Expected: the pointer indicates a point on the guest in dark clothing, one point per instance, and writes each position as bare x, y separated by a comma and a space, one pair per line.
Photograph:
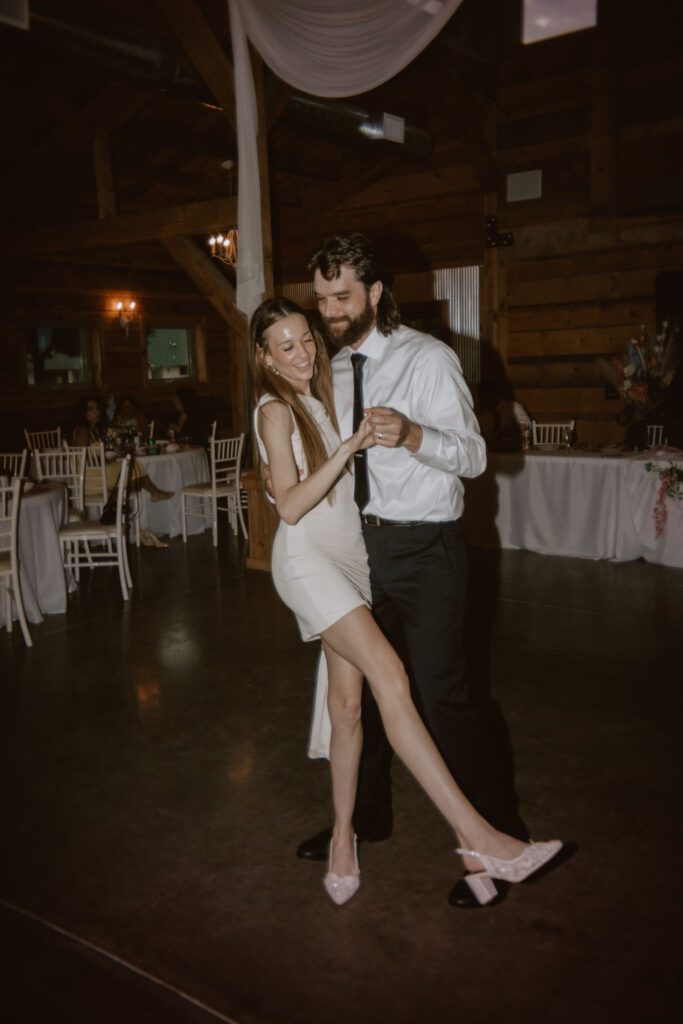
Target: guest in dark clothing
189, 419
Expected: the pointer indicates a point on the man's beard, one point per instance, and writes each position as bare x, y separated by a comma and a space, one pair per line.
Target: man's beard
354, 330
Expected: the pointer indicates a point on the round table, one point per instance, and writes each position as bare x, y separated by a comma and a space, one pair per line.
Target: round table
172, 472
43, 580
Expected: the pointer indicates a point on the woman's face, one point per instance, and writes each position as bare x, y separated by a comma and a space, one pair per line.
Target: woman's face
289, 350
93, 413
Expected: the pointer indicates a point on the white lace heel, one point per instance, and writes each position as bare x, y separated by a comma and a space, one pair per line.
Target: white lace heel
530, 860
482, 886
341, 888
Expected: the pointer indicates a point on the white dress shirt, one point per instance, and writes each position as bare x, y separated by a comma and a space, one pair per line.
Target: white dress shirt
421, 378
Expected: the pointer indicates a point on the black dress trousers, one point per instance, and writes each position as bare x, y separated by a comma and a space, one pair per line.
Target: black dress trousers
418, 576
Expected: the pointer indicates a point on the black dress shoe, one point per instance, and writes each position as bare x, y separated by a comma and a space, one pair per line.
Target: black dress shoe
462, 897
317, 847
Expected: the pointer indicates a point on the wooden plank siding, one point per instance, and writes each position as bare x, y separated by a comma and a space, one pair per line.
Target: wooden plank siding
580, 280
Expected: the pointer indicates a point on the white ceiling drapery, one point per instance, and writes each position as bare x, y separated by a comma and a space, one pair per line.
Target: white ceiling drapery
323, 47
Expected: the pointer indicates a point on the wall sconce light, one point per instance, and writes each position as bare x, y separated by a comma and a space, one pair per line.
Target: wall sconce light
127, 314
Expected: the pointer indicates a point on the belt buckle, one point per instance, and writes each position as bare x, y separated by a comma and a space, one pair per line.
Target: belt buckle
372, 520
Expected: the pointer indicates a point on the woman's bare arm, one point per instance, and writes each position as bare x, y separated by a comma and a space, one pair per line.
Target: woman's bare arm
294, 497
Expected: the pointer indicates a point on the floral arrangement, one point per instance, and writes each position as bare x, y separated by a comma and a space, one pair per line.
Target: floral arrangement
643, 372
670, 486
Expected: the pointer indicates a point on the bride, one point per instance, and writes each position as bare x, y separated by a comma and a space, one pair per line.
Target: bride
320, 570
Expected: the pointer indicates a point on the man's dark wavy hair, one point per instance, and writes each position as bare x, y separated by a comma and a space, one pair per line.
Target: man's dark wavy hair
355, 250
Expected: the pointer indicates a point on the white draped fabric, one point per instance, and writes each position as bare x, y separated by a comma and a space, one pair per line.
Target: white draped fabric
323, 47
577, 505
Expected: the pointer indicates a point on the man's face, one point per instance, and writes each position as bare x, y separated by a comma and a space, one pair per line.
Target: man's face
348, 309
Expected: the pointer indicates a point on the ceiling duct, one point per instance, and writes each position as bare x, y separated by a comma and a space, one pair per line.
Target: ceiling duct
356, 123
167, 68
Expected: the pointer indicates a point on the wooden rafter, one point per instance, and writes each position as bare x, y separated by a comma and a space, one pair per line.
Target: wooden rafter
208, 278
190, 218
198, 40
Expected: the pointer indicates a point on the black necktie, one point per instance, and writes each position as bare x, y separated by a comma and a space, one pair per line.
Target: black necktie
361, 489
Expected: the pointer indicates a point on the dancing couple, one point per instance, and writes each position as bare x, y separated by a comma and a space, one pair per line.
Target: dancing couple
340, 499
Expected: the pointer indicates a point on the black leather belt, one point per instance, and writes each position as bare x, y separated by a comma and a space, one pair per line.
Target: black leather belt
376, 521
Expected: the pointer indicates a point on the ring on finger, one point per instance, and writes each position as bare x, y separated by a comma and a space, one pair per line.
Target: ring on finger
380, 434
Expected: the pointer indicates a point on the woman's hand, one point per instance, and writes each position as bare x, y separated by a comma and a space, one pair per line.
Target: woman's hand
363, 437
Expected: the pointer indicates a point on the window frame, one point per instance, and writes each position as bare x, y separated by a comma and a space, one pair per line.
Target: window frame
195, 326
92, 354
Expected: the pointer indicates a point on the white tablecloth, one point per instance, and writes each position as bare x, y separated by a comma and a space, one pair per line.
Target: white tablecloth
584, 505
43, 581
172, 473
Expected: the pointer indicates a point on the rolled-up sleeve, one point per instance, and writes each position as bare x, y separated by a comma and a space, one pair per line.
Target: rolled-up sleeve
451, 440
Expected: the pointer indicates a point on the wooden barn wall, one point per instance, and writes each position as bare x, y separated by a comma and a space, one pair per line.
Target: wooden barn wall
579, 279
419, 217
51, 292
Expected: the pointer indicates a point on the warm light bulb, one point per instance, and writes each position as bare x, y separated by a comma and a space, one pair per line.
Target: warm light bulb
219, 238
131, 305
212, 240
119, 305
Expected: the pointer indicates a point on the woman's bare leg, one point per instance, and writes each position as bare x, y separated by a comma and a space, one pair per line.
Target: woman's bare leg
343, 702
357, 639
155, 493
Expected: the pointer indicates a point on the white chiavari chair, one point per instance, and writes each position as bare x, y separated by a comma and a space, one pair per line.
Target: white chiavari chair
92, 544
68, 467
655, 434
10, 501
551, 433
43, 439
13, 463
226, 457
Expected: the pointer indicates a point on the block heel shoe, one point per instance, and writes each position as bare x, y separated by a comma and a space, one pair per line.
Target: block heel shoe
535, 856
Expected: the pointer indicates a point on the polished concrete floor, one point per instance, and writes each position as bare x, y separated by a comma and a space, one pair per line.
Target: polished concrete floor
155, 787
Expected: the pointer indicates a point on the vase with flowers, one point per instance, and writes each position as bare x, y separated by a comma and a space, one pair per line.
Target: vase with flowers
641, 374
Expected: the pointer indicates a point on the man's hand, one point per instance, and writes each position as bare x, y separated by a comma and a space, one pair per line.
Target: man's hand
392, 429
265, 476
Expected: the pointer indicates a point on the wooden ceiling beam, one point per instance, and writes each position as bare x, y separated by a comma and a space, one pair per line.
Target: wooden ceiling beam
188, 219
201, 269
103, 115
198, 40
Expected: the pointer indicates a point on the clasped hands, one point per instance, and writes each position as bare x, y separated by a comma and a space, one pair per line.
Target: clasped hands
388, 428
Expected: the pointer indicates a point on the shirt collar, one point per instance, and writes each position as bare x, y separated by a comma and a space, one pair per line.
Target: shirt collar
373, 347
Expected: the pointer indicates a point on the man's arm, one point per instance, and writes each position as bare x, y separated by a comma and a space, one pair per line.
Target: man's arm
444, 433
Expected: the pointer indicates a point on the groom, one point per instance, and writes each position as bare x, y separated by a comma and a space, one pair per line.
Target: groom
410, 494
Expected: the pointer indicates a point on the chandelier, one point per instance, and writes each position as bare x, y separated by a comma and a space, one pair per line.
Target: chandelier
223, 246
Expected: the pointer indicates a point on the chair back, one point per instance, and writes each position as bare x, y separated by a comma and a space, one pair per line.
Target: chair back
212, 435
226, 456
95, 488
150, 431
121, 496
43, 439
13, 464
10, 499
655, 433
551, 433
69, 468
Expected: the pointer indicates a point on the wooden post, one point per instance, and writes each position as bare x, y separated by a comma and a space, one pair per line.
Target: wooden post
104, 177
264, 175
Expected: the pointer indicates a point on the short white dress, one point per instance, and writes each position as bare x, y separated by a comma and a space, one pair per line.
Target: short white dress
320, 565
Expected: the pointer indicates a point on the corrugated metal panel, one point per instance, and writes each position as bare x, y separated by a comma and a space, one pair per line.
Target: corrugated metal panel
300, 292
458, 286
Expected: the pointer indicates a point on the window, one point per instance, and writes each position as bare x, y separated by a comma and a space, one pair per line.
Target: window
57, 356
169, 353
546, 18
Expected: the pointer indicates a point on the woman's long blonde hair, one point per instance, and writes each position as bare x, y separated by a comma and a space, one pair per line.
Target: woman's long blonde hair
266, 381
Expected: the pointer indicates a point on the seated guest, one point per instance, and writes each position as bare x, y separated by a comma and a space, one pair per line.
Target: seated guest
129, 416
89, 427
189, 420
